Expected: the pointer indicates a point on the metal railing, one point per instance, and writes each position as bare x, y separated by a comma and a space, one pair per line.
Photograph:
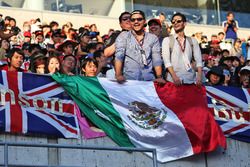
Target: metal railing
7, 144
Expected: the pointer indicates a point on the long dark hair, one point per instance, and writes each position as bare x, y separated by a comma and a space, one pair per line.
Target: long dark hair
48, 60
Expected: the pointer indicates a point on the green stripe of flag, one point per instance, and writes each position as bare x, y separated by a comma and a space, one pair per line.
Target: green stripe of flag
94, 101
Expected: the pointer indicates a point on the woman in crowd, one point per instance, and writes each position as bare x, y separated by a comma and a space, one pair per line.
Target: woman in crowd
236, 49
38, 62
53, 65
244, 77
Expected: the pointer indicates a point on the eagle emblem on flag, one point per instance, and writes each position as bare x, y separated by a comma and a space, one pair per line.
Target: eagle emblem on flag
146, 116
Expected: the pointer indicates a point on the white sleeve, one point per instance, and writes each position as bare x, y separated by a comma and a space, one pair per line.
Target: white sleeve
166, 52
197, 53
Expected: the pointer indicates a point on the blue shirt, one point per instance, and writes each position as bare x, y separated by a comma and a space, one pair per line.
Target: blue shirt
138, 60
230, 33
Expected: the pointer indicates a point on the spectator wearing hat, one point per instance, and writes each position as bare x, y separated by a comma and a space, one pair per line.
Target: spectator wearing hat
68, 65
15, 58
244, 77
46, 29
215, 76
125, 24
83, 39
247, 62
25, 49
228, 61
37, 63
154, 26
27, 37
39, 38
138, 53
56, 39
67, 47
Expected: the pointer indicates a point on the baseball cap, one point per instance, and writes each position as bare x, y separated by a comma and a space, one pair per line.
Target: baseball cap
27, 34
157, 21
138, 12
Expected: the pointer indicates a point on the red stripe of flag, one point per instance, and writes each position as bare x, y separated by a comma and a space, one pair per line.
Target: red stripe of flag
44, 90
186, 101
221, 99
235, 128
63, 125
16, 118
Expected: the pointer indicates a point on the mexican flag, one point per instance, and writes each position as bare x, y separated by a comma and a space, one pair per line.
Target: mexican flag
173, 120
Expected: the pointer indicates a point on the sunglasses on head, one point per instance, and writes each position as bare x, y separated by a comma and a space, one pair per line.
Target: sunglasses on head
176, 21
138, 19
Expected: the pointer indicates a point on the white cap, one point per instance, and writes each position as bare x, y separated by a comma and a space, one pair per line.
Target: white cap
245, 68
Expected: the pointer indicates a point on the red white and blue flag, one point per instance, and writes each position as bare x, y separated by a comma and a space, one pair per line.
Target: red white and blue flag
35, 104
231, 109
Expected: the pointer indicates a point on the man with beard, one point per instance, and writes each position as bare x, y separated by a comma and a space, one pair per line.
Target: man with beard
177, 58
137, 54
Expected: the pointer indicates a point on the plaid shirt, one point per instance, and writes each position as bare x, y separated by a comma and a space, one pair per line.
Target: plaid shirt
138, 60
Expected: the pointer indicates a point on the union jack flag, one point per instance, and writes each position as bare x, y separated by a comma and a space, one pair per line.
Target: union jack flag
33, 103
231, 109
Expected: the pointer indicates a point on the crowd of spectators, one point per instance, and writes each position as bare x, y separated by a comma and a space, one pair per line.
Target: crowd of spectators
134, 52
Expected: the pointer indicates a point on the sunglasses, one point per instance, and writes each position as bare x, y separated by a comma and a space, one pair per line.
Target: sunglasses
138, 19
176, 21
125, 18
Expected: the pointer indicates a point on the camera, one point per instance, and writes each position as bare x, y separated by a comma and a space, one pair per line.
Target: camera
93, 34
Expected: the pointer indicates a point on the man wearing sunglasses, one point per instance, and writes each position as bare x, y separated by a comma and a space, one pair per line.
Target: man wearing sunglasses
178, 51
138, 53
124, 21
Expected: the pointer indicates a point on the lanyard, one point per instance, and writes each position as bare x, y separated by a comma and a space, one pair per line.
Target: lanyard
182, 44
140, 42
143, 54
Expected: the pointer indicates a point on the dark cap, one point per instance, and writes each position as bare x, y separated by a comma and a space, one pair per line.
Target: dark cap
66, 43
217, 70
138, 12
157, 21
39, 32
56, 32
84, 32
25, 46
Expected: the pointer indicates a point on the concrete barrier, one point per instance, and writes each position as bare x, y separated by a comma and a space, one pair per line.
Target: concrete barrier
237, 154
